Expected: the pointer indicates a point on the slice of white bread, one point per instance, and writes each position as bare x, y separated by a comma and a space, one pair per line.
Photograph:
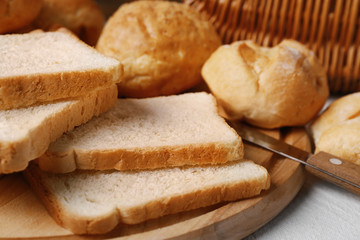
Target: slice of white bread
46, 66
25, 133
148, 133
95, 202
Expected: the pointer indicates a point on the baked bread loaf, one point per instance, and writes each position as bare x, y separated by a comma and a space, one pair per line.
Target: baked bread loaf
82, 17
42, 67
16, 14
337, 129
267, 87
26, 133
162, 45
148, 133
92, 202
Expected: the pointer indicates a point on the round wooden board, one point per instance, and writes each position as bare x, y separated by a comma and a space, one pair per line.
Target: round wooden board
23, 216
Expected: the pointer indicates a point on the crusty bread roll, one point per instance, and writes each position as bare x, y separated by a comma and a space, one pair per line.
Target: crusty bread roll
337, 129
82, 17
16, 14
267, 87
162, 45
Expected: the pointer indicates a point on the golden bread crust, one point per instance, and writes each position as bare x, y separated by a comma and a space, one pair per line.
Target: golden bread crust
267, 87
23, 91
144, 158
161, 44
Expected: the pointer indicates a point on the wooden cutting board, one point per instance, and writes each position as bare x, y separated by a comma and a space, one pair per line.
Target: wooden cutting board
23, 216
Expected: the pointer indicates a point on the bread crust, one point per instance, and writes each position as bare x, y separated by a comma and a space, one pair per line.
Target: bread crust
142, 158
15, 155
162, 45
34, 89
229, 191
16, 14
267, 87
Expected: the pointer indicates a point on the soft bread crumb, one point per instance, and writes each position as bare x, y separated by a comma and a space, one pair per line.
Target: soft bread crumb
49, 52
136, 123
15, 123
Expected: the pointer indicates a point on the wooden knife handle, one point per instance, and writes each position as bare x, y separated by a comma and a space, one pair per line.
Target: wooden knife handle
338, 167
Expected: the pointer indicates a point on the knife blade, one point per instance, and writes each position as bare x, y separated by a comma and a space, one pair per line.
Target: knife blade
324, 165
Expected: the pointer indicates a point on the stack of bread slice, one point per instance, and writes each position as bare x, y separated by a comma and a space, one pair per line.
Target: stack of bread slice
49, 83
133, 159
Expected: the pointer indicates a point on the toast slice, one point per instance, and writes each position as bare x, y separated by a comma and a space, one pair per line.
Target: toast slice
25, 133
148, 133
41, 67
94, 202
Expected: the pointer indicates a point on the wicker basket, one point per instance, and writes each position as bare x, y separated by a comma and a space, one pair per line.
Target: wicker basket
330, 28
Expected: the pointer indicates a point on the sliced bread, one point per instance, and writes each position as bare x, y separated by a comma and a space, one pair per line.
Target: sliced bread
95, 202
46, 66
148, 133
26, 133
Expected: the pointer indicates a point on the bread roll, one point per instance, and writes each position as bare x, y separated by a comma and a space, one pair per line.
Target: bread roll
267, 87
16, 14
82, 17
337, 129
162, 45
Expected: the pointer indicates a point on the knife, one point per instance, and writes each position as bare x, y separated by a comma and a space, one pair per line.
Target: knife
324, 165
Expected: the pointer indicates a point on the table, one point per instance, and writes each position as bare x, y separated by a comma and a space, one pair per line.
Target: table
319, 211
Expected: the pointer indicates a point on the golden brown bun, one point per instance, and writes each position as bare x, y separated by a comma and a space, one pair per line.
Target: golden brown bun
16, 14
267, 87
337, 129
82, 17
162, 45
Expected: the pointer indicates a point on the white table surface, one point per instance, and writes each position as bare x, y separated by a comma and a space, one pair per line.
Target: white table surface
320, 211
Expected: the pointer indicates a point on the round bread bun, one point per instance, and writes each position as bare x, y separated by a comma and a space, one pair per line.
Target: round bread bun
337, 129
16, 14
267, 87
82, 17
161, 44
